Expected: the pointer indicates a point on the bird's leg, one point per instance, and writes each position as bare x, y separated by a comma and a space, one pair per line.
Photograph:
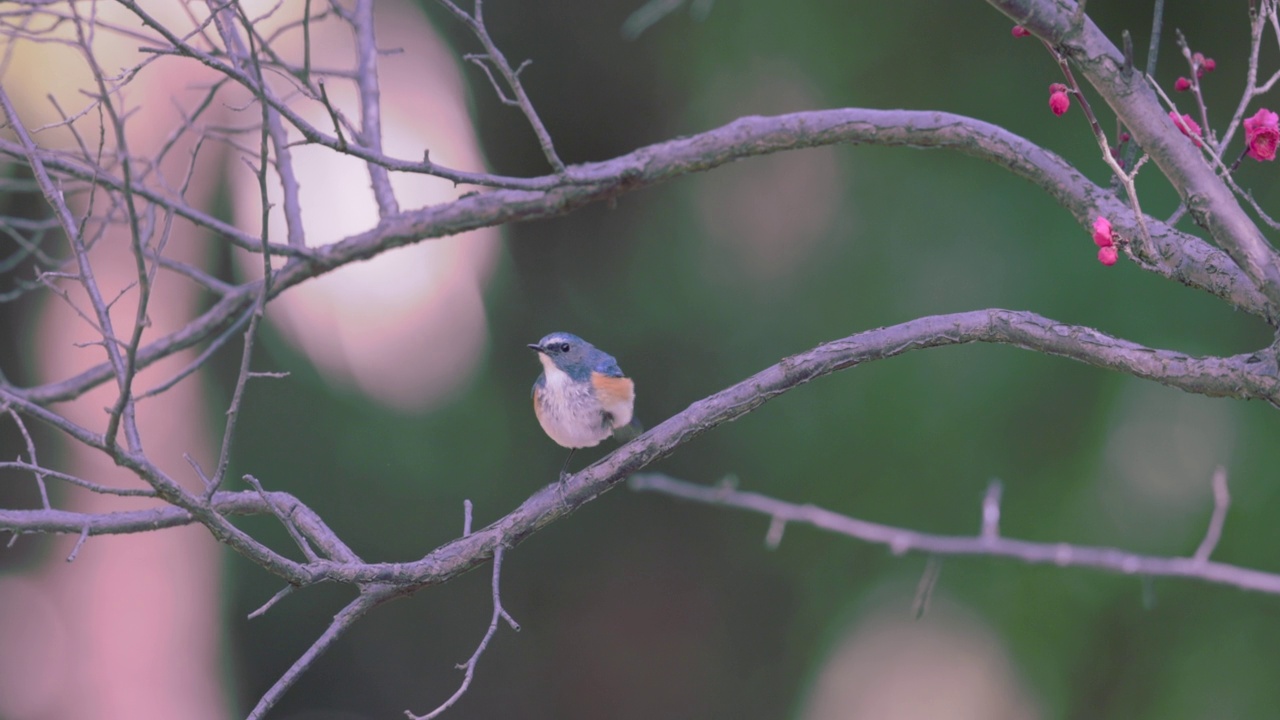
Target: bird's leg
565, 467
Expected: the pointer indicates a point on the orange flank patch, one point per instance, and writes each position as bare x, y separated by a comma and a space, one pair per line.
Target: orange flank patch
617, 395
613, 390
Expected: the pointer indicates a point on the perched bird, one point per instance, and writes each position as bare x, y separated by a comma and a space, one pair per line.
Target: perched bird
581, 397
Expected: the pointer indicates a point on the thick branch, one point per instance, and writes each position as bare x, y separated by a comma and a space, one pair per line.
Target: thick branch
1186, 258
1209, 199
1240, 376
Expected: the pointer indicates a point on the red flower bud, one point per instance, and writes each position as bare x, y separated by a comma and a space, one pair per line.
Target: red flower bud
1210, 65
1124, 137
1102, 236
1182, 84
1059, 102
1108, 255
1019, 31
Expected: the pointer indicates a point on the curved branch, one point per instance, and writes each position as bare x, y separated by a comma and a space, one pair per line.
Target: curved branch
1239, 376
1182, 257
1245, 376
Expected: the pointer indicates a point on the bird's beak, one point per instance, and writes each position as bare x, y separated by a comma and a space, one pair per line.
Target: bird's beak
536, 348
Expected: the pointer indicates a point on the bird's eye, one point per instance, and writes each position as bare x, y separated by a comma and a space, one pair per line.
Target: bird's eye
564, 347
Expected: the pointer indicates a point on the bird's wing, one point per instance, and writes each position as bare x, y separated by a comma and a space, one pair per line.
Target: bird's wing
605, 364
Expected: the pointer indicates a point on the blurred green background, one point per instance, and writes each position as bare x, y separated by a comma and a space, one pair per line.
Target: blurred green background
640, 606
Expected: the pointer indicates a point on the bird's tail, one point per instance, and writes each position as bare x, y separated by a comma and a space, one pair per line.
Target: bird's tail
628, 432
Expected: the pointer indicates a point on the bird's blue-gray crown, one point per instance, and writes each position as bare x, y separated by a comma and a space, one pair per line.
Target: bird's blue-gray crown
575, 356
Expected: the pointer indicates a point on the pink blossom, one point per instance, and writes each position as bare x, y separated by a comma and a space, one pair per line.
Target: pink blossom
1203, 64
1102, 232
1182, 84
1019, 31
1187, 126
1108, 255
1059, 101
1262, 135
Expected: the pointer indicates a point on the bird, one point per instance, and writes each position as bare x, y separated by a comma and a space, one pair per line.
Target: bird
581, 397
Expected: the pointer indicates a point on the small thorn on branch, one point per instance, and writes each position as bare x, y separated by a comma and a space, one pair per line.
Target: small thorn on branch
924, 590
333, 116
284, 592
1128, 54
991, 511
774, 537
84, 535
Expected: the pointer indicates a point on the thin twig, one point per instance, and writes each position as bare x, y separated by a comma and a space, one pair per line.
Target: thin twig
1126, 179
371, 105
280, 595
342, 622
773, 538
928, 583
1221, 502
75, 551
122, 411
494, 56
285, 519
991, 511
900, 541
38, 471
469, 667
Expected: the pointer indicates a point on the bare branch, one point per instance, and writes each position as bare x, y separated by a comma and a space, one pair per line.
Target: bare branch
928, 583
901, 541
371, 105
284, 592
991, 510
469, 667
494, 56
1210, 376
342, 622
1183, 257
123, 522
1221, 502
75, 551
285, 520
122, 412
34, 466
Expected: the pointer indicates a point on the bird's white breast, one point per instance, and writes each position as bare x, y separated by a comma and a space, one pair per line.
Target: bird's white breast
570, 414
